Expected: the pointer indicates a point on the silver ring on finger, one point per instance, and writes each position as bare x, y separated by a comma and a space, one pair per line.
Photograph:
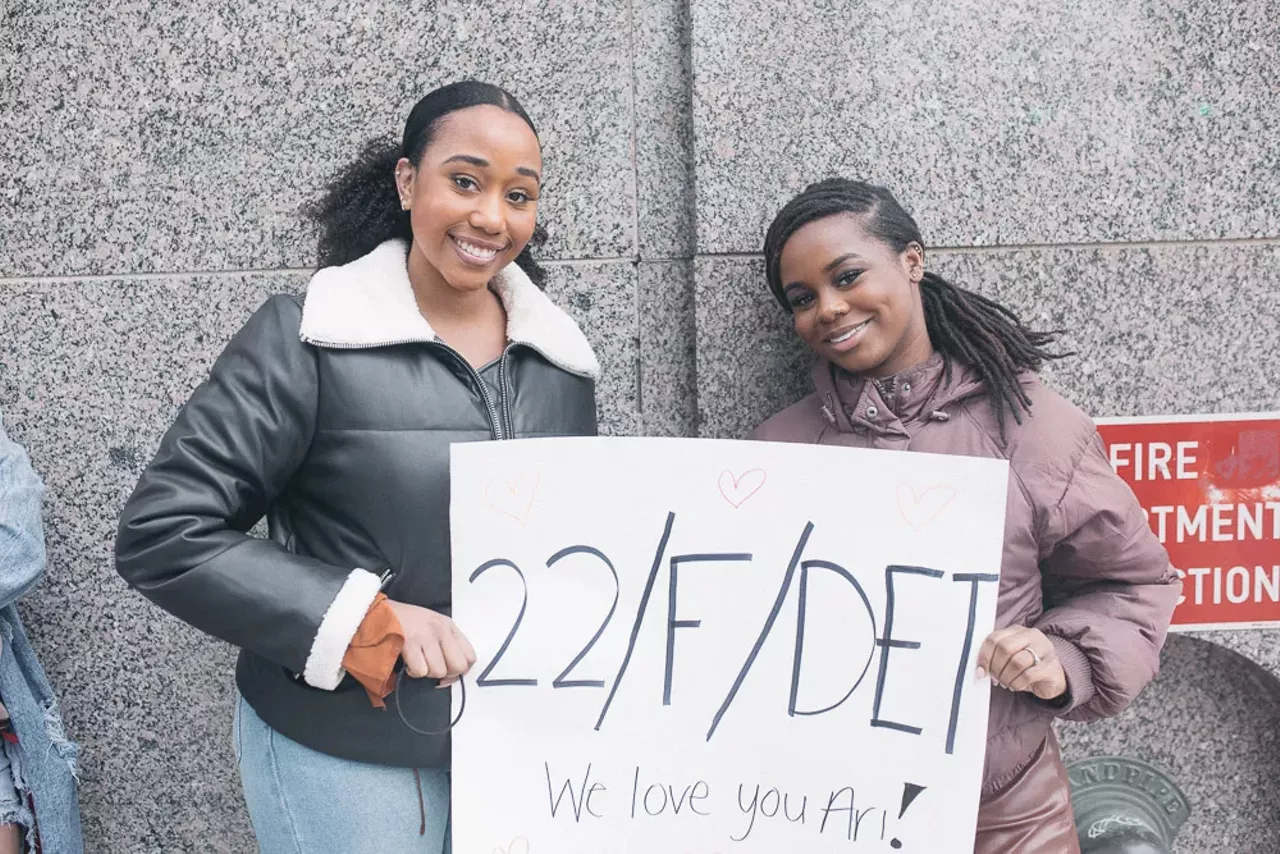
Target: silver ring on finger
1035, 656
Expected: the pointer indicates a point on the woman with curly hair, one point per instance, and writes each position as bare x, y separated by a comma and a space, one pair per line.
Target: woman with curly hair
332, 415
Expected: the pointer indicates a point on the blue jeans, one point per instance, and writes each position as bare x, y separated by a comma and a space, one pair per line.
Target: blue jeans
11, 809
302, 801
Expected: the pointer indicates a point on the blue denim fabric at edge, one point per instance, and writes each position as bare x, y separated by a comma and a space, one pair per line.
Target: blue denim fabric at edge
42, 762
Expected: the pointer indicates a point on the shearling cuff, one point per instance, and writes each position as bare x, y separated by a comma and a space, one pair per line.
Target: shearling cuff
341, 621
1075, 664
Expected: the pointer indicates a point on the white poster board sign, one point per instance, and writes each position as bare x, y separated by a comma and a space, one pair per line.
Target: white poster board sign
694, 646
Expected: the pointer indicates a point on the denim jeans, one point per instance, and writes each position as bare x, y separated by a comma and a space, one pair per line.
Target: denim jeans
302, 801
11, 810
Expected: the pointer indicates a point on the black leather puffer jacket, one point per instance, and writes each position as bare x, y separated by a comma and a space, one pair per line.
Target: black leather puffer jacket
333, 417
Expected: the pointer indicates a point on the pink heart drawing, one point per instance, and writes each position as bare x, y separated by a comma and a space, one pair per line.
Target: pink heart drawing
513, 496
519, 845
737, 489
919, 510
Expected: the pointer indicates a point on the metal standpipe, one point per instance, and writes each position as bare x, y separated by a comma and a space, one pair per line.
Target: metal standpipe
1125, 806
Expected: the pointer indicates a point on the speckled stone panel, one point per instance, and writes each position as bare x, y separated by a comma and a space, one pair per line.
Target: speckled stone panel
1174, 329
1211, 720
665, 194
601, 297
667, 352
91, 374
1177, 329
1259, 645
750, 363
185, 137
1001, 123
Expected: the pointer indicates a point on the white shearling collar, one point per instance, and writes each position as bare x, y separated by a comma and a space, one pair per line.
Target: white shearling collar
369, 303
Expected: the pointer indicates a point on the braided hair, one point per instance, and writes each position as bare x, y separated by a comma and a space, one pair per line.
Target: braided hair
360, 208
962, 325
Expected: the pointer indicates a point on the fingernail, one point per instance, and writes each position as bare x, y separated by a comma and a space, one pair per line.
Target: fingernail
982, 671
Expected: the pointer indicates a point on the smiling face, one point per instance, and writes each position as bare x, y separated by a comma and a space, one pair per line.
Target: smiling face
853, 299
473, 197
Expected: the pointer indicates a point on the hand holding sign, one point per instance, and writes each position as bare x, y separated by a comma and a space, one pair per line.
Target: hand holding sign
1023, 659
719, 659
433, 646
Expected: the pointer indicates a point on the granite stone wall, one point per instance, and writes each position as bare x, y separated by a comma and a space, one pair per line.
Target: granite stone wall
1111, 168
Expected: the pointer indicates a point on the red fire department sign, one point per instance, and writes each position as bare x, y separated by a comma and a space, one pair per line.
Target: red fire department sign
1211, 487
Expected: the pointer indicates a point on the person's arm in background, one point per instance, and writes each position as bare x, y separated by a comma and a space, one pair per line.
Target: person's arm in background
21, 565
1109, 589
21, 529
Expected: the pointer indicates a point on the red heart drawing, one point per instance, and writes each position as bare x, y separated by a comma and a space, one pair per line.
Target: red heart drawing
919, 510
737, 489
513, 496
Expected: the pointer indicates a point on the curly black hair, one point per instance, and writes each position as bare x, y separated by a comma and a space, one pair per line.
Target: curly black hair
360, 208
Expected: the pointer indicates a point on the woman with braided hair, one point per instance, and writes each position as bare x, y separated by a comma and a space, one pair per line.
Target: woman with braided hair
906, 360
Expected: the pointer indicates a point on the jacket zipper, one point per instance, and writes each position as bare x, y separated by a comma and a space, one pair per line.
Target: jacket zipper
332, 345
495, 420
385, 578
503, 392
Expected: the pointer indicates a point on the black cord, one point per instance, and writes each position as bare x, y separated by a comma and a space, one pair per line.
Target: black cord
462, 707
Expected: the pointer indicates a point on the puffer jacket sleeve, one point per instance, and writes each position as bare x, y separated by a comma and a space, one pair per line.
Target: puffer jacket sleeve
1109, 589
21, 528
232, 450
